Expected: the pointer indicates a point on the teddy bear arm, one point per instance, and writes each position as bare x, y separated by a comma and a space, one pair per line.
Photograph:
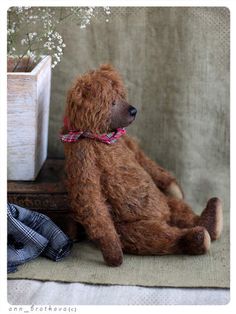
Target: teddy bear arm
163, 179
89, 209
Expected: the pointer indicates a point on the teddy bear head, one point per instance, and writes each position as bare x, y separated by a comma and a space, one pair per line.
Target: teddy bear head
97, 102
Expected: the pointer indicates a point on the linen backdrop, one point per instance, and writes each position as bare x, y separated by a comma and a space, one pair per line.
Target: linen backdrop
175, 64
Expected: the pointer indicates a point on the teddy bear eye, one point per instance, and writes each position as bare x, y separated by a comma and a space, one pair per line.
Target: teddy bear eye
113, 103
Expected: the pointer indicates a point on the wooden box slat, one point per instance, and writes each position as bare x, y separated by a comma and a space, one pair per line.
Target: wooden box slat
28, 98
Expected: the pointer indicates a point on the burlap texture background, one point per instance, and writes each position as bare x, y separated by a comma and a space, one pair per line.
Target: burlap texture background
175, 63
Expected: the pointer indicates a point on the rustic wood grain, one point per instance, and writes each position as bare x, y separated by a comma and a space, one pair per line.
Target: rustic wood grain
28, 96
49, 180
47, 195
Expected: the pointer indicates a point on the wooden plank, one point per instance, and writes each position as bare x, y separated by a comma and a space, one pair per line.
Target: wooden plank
40, 202
43, 96
50, 180
21, 131
44, 62
45, 188
47, 195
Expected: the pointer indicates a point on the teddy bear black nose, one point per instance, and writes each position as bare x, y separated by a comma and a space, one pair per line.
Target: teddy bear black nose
132, 111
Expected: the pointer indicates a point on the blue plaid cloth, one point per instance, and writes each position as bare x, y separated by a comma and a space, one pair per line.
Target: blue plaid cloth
31, 234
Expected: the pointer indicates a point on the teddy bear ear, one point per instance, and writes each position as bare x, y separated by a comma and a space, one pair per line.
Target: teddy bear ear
107, 68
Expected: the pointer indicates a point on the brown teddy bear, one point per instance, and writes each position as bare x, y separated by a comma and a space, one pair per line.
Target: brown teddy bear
126, 202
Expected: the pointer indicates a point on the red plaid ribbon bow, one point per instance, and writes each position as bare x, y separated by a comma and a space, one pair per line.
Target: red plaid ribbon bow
109, 138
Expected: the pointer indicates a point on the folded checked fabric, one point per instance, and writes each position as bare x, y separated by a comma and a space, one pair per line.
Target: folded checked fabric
31, 234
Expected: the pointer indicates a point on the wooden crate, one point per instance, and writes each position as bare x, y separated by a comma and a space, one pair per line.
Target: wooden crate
47, 194
28, 97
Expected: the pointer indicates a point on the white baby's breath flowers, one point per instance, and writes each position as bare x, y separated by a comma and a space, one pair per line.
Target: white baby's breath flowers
44, 37
23, 41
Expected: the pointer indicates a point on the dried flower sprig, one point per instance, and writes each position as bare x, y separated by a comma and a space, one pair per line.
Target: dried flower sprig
33, 31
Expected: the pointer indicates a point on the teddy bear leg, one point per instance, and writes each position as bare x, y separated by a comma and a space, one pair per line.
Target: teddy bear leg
212, 218
147, 237
181, 214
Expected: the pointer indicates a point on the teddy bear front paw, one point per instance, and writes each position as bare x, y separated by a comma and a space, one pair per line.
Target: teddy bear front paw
112, 253
173, 190
212, 218
196, 241
113, 258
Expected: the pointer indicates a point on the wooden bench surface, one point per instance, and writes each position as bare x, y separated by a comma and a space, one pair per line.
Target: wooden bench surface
47, 194
49, 180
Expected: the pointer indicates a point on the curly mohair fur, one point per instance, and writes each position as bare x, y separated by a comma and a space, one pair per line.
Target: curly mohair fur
126, 202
